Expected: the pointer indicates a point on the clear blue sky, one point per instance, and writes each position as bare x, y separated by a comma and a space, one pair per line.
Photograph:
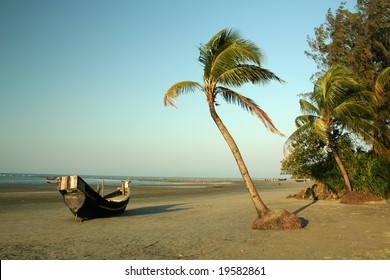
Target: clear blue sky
82, 85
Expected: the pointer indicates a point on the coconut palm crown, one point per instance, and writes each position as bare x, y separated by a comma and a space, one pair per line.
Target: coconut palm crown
228, 61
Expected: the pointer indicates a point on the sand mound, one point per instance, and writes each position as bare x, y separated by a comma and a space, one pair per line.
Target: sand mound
277, 219
359, 198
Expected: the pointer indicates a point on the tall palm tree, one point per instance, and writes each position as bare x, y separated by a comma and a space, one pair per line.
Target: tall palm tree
229, 60
337, 103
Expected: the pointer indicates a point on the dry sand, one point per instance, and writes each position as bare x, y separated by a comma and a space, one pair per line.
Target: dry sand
194, 223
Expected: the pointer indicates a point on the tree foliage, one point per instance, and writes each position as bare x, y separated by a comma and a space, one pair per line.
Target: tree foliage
338, 105
357, 40
310, 158
305, 156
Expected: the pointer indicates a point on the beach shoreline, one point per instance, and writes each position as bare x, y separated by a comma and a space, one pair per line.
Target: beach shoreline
165, 223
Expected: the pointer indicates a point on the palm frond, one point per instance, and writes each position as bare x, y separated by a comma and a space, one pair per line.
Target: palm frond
217, 44
308, 123
305, 119
349, 109
311, 122
308, 108
242, 74
382, 83
359, 95
178, 89
301, 129
334, 87
249, 105
321, 128
366, 130
239, 52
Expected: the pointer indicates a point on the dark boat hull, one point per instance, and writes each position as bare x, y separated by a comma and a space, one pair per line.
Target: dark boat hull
85, 203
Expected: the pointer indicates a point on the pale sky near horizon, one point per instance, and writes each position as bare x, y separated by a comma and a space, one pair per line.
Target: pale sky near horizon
82, 85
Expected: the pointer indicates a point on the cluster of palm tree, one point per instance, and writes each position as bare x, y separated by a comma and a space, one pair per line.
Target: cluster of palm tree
339, 103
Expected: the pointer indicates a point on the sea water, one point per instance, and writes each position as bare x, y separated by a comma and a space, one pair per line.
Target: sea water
93, 180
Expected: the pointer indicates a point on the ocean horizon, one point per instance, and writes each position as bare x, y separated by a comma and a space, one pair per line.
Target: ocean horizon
113, 180
109, 180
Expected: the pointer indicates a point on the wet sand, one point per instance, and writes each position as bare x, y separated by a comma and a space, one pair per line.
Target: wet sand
164, 223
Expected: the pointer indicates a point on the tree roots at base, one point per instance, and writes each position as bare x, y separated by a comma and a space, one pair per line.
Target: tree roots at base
277, 219
359, 198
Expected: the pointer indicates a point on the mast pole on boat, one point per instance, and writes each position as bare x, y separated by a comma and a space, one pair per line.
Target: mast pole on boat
102, 186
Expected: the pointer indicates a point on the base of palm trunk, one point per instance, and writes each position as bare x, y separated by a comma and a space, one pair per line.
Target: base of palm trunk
359, 198
277, 219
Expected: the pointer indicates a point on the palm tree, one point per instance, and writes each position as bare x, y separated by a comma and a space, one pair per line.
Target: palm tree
381, 104
337, 103
229, 60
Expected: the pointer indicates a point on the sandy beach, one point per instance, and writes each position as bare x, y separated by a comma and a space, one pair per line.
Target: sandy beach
164, 223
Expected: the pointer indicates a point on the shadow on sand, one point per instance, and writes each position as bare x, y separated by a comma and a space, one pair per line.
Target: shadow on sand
154, 210
303, 220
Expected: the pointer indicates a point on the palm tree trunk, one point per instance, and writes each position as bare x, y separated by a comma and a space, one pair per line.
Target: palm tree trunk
261, 208
348, 186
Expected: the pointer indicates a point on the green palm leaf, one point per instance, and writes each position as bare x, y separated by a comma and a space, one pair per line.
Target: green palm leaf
217, 44
249, 105
242, 74
303, 128
305, 119
310, 122
382, 83
322, 129
309, 108
349, 109
239, 52
178, 89
335, 87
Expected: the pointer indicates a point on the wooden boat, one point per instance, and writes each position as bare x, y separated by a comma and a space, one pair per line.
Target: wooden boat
52, 181
85, 203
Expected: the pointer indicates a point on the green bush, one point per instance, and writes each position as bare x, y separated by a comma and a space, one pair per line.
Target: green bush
368, 173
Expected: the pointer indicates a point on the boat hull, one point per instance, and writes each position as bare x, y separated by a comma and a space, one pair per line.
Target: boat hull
85, 203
